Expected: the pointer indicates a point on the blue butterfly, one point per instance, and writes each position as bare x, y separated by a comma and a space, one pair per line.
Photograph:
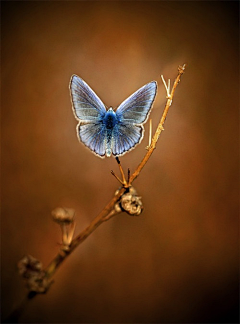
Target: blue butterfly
108, 132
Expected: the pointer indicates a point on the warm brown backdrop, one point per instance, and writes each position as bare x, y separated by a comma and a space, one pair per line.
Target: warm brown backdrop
178, 261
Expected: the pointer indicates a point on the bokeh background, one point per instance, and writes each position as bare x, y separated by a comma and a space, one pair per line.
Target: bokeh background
178, 261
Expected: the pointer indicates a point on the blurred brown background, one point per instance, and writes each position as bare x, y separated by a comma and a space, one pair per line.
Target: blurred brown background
178, 261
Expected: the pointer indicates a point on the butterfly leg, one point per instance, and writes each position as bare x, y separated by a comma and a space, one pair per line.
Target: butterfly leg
121, 170
124, 182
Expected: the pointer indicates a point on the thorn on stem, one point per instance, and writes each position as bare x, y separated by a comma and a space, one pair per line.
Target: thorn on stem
150, 133
167, 87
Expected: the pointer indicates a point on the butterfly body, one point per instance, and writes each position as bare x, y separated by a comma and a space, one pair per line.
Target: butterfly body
108, 132
109, 123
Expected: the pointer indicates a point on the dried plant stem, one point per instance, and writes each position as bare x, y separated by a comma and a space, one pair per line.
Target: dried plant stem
160, 128
109, 210
103, 216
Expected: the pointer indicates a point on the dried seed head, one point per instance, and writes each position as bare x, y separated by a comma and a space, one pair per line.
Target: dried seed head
117, 207
63, 215
31, 270
27, 265
130, 202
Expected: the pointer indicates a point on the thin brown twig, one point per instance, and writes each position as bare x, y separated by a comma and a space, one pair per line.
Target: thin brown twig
160, 128
61, 256
108, 211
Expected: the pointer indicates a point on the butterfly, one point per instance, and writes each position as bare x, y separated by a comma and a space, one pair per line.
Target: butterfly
105, 131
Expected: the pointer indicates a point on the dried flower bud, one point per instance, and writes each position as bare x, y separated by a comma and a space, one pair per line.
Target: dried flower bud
31, 270
117, 207
129, 202
27, 265
63, 215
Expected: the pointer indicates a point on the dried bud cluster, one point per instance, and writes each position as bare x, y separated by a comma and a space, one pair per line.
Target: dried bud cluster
65, 218
130, 202
63, 215
31, 270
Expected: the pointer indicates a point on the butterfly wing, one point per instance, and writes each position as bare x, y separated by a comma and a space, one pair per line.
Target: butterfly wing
87, 106
136, 108
89, 110
132, 113
93, 135
125, 137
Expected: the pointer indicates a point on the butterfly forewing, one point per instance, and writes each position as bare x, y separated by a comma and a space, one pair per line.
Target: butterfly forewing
86, 104
136, 108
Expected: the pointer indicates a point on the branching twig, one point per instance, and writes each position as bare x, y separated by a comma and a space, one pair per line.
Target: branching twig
50, 270
61, 256
112, 208
160, 128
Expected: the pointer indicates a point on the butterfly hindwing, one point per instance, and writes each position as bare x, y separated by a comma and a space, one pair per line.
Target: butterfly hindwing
94, 137
125, 137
